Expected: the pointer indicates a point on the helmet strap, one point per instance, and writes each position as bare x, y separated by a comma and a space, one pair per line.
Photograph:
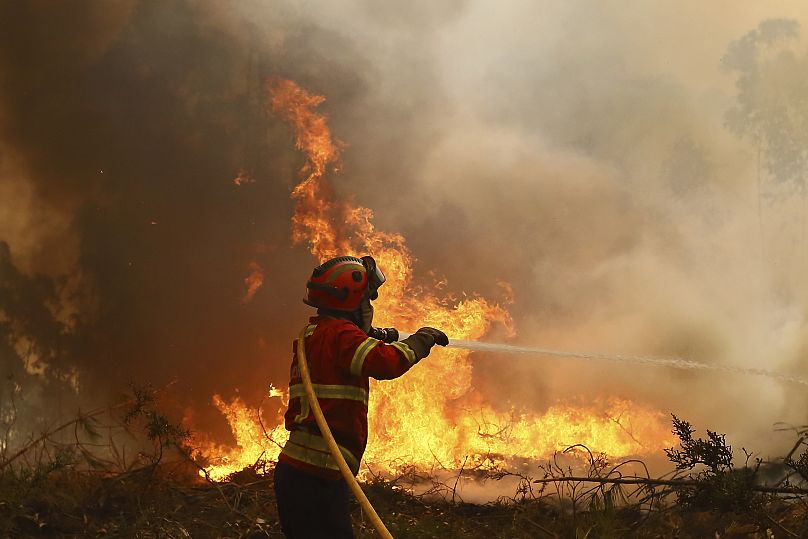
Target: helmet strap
365, 315
333, 313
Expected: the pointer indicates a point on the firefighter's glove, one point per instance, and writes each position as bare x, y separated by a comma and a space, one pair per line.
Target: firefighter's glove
422, 341
386, 335
437, 335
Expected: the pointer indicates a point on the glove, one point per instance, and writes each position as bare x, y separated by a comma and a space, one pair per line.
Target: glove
422, 341
386, 335
437, 335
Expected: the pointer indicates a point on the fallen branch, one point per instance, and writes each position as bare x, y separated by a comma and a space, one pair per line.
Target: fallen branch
663, 482
81, 417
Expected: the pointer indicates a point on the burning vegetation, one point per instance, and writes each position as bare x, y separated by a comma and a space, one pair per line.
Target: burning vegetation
85, 483
433, 416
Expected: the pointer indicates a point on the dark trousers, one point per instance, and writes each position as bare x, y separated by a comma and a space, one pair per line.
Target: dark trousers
310, 507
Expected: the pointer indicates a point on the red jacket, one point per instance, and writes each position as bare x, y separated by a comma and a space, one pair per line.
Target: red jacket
341, 359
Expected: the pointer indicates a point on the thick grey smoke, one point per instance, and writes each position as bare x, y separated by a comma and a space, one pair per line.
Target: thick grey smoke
578, 151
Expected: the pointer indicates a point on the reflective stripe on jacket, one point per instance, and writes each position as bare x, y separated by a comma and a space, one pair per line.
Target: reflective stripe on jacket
312, 449
342, 359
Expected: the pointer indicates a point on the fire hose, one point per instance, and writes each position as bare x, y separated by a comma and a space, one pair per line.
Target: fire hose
353, 484
650, 361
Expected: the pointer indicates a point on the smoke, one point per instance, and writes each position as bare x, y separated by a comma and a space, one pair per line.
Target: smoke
578, 152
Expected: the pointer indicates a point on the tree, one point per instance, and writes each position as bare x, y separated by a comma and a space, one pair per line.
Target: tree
772, 105
35, 369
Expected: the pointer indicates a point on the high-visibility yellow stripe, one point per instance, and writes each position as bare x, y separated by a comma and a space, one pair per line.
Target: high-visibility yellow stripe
407, 351
312, 449
329, 391
361, 353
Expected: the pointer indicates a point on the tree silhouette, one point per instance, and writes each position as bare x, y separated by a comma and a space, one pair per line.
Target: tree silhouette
35, 369
772, 106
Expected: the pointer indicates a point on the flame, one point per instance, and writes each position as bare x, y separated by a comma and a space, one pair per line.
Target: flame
433, 412
254, 443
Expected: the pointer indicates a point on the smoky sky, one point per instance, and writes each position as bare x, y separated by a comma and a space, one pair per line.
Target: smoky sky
138, 139
577, 151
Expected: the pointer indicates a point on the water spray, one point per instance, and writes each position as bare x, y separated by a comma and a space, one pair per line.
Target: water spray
673, 362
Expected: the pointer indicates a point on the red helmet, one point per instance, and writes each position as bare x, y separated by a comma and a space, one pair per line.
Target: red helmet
340, 284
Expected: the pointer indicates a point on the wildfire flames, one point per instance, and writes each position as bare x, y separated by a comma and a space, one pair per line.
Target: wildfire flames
433, 413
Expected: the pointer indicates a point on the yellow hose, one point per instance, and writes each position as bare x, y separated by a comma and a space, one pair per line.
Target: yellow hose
332, 443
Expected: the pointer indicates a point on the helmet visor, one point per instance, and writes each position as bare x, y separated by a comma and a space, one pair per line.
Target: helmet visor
375, 276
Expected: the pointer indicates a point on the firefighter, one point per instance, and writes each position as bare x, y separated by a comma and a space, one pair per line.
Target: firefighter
344, 351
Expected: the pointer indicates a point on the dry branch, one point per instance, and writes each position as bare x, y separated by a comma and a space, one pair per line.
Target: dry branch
663, 482
75, 421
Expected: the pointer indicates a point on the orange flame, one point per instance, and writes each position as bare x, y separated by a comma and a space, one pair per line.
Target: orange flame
433, 412
253, 442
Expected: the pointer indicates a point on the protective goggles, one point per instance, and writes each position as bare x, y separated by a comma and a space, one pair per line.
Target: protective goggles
375, 276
